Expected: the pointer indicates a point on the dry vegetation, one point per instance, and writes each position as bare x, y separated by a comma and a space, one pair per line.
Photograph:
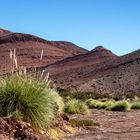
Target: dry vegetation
29, 97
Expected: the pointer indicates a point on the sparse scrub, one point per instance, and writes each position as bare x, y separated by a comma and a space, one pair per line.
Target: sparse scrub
27, 99
82, 95
135, 105
120, 106
94, 103
97, 96
124, 96
98, 104
75, 106
107, 104
82, 123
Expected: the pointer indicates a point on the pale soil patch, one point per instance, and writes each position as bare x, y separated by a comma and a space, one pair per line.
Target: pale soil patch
113, 126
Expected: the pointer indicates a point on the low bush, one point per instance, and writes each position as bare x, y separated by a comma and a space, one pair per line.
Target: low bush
107, 104
135, 105
82, 95
58, 101
120, 106
81, 123
28, 99
75, 106
98, 104
93, 103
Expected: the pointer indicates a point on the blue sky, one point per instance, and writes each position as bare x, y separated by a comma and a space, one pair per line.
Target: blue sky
115, 24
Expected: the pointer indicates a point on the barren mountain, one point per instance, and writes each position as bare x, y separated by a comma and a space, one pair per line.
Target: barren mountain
72, 67
4, 32
98, 71
29, 48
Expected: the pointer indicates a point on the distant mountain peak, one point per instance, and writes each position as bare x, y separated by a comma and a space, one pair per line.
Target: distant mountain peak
99, 47
100, 50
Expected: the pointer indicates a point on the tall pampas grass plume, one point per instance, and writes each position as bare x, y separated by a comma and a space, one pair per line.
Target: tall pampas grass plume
41, 56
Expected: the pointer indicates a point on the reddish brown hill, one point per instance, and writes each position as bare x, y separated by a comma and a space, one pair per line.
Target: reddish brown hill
28, 50
81, 64
73, 69
4, 32
99, 70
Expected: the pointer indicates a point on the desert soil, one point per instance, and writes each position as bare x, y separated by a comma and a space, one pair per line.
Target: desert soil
113, 126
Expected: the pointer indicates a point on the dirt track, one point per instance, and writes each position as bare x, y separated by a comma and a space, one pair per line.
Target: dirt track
113, 126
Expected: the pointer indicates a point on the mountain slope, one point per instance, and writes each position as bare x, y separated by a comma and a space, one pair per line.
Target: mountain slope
100, 71
72, 70
122, 77
28, 50
4, 32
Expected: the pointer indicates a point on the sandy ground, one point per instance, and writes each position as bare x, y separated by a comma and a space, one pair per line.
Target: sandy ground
113, 126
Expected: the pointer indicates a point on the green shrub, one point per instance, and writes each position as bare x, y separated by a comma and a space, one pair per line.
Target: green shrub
81, 123
75, 106
88, 102
98, 104
27, 99
94, 103
135, 105
91, 103
82, 95
120, 106
58, 100
107, 104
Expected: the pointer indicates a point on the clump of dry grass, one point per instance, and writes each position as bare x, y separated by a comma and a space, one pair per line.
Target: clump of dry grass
135, 105
85, 122
75, 106
120, 106
27, 98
